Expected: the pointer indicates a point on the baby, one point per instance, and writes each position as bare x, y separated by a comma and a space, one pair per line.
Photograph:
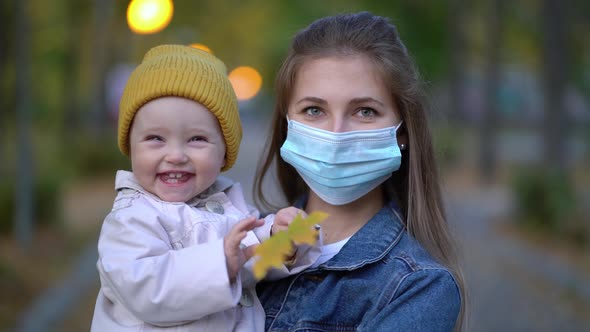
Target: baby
175, 249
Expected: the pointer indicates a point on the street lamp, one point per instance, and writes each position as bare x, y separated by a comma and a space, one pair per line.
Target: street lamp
149, 16
246, 82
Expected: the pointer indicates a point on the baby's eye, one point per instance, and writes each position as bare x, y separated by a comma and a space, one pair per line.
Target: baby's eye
367, 112
198, 139
312, 111
154, 138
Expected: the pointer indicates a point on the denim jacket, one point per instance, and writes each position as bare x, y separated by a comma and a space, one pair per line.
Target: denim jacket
381, 280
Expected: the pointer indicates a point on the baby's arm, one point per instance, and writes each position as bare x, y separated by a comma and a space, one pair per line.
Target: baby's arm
157, 283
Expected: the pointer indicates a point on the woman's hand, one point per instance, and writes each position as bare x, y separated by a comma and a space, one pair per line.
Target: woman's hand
284, 217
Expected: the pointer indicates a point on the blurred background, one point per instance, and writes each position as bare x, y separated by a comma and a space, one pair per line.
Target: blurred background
509, 90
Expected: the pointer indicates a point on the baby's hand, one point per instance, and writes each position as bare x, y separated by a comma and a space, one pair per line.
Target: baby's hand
284, 217
235, 257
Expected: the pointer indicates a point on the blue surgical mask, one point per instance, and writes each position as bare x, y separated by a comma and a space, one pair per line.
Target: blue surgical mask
341, 167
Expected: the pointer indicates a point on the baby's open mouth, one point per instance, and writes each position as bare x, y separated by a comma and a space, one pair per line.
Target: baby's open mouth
173, 178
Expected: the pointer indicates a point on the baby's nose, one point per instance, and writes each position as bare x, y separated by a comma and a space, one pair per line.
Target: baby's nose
176, 155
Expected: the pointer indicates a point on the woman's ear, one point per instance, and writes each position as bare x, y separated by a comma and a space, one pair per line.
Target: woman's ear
402, 141
402, 137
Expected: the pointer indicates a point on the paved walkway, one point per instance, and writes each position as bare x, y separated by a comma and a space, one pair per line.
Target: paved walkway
512, 286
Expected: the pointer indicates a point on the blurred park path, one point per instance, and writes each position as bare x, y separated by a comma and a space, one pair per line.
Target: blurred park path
512, 285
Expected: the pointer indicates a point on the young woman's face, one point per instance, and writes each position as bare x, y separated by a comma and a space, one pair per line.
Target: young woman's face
341, 94
177, 148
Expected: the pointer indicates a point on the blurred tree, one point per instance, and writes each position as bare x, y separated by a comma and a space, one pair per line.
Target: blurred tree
555, 56
75, 16
102, 16
422, 27
457, 57
578, 20
7, 95
3, 90
257, 32
489, 122
24, 189
242, 33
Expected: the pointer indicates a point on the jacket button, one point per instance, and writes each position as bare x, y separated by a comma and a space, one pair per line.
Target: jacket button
214, 207
246, 299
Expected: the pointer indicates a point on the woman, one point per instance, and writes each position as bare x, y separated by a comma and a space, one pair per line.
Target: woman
350, 138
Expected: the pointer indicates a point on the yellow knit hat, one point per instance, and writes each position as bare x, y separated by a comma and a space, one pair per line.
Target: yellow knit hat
183, 71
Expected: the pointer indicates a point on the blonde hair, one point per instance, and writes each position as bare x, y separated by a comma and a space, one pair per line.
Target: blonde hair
415, 186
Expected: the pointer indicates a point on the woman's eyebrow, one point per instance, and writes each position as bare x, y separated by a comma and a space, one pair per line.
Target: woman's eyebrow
363, 100
315, 100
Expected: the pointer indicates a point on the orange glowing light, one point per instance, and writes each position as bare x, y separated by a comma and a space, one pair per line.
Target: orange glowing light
202, 47
246, 82
149, 16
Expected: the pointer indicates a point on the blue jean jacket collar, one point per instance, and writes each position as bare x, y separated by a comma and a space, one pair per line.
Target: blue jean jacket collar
380, 232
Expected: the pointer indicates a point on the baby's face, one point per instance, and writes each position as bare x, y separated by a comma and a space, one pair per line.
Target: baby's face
177, 148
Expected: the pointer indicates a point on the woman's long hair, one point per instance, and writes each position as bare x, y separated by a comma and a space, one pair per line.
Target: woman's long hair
415, 186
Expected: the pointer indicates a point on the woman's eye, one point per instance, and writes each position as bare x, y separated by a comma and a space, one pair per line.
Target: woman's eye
154, 138
367, 112
198, 139
312, 111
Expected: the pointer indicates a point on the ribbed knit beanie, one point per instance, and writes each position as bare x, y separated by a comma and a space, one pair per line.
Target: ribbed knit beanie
183, 71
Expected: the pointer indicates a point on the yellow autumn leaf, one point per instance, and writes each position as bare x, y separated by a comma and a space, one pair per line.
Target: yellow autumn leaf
271, 253
302, 230
276, 250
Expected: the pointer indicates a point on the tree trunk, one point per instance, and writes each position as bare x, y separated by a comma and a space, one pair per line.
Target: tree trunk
24, 186
98, 114
5, 96
555, 55
457, 65
489, 120
71, 119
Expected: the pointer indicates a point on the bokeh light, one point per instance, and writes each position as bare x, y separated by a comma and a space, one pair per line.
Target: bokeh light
202, 47
149, 16
246, 82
